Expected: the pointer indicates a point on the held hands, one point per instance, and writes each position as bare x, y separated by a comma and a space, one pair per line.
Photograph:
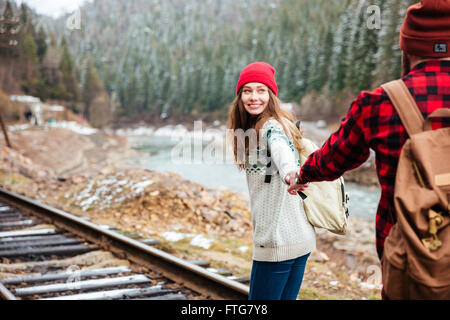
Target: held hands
294, 187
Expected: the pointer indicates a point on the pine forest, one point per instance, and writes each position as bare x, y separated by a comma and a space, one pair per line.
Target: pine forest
183, 57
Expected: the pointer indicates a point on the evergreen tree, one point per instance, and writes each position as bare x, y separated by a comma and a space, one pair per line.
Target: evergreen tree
156, 65
26, 23
326, 53
368, 51
356, 49
341, 60
9, 27
388, 64
68, 74
40, 40
29, 52
51, 64
92, 86
305, 68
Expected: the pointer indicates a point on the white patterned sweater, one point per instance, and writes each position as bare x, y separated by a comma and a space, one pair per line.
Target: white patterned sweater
281, 230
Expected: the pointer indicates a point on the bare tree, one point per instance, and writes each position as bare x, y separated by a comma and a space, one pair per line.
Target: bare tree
9, 29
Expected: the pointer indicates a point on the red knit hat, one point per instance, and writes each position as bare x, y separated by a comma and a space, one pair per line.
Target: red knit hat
426, 29
258, 72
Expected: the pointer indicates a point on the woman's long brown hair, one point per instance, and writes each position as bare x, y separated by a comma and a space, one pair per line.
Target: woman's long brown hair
406, 64
239, 118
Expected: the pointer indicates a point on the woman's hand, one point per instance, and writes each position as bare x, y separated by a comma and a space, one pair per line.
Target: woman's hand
294, 187
291, 176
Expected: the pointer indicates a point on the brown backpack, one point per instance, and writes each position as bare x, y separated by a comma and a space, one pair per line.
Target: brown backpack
416, 258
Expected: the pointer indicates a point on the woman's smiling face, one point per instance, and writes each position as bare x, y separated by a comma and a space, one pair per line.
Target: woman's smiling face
255, 97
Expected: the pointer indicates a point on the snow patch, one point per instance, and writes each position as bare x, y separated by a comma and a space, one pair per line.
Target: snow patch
173, 236
73, 126
139, 187
198, 240
201, 241
243, 249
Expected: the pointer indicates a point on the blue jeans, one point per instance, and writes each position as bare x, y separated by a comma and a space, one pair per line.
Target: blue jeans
277, 280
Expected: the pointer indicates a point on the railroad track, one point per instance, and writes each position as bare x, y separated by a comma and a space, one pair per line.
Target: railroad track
49, 254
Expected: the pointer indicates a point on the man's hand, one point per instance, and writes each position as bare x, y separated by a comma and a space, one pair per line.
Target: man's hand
294, 187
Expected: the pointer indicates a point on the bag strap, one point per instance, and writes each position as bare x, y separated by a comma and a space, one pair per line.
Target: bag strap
439, 113
268, 177
406, 107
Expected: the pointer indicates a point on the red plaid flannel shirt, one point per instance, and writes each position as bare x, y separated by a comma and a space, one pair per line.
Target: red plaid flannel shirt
373, 123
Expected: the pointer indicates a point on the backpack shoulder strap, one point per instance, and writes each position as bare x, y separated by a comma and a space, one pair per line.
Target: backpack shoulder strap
405, 105
268, 177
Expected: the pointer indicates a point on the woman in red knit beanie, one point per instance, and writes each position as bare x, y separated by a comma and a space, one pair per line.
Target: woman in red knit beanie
256, 101
282, 235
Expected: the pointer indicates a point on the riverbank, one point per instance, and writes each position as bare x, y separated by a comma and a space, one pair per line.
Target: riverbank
215, 132
90, 175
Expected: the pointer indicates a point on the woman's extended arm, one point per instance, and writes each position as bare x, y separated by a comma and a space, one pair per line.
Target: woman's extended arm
281, 151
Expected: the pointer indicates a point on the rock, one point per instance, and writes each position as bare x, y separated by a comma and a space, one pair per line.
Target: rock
233, 225
172, 203
341, 245
321, 124
354, 277
369, 286
318, 256
183, 195
209, 215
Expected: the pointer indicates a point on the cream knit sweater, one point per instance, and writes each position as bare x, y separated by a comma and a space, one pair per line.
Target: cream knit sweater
281, 230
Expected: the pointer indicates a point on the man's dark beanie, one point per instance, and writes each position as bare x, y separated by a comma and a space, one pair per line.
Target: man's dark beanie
426, 29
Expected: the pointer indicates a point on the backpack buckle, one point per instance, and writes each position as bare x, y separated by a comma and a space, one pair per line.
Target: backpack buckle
435, 219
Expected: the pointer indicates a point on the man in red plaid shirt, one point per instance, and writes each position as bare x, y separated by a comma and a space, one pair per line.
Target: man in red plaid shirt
373, 123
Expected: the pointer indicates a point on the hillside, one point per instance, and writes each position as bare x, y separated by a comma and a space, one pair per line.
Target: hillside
88, 175
182, 57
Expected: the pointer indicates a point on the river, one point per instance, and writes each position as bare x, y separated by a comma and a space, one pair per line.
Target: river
206, 164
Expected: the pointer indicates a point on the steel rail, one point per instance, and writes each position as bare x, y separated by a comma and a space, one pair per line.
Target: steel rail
5, 294
194, 277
